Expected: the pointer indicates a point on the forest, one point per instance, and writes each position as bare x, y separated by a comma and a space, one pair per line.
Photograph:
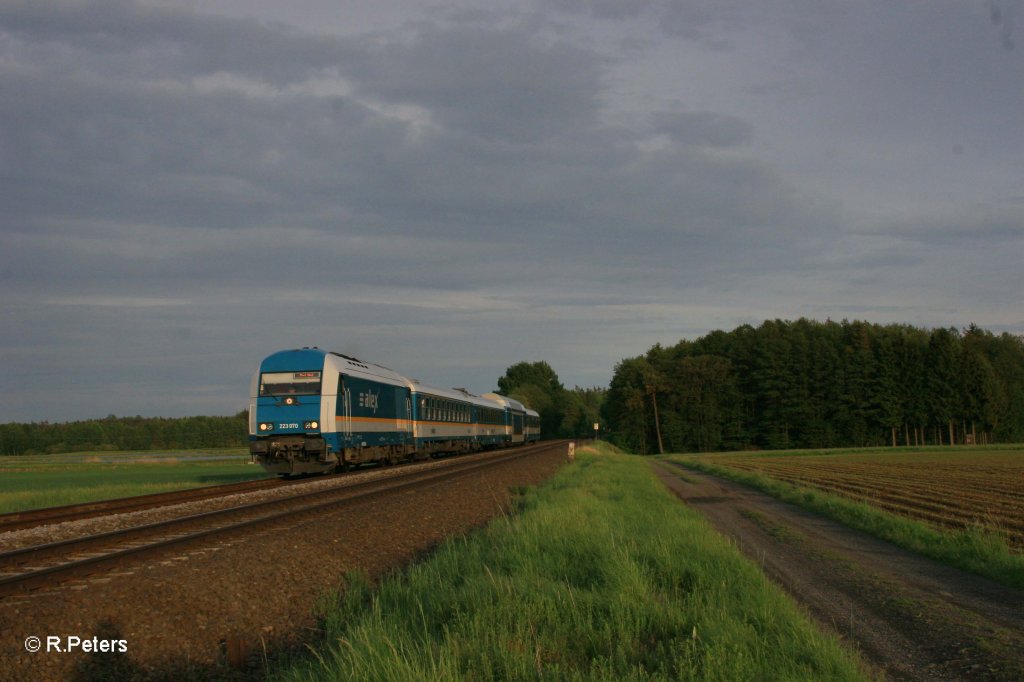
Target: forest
124, 433
808, 384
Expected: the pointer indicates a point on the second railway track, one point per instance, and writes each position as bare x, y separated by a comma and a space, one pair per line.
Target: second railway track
73, 512
40, 566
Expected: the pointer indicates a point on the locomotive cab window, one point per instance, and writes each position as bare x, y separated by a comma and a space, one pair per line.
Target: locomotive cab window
289, 383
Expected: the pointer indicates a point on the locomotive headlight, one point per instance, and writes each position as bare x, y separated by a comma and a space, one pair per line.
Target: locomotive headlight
266, 426
311, 425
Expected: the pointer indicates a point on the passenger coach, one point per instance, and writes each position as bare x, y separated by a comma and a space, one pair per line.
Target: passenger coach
315, 411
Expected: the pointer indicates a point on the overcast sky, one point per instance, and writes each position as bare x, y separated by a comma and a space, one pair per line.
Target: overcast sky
449, 188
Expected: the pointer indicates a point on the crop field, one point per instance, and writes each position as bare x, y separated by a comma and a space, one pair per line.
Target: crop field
34, 481
950, 487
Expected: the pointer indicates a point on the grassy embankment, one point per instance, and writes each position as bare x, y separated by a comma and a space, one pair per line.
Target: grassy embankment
601, 575
975, 549
33, 481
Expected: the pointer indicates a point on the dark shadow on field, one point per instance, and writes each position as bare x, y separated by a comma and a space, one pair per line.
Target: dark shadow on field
107, 665
121, 667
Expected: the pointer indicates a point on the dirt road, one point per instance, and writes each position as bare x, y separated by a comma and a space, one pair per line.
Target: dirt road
911, 618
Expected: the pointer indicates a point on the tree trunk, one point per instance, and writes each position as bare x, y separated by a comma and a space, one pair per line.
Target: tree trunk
893, 430
952, 433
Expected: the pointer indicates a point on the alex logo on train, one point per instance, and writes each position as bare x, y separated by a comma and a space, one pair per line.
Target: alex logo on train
369, 400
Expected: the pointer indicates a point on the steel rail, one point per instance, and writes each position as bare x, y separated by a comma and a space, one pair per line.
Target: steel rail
33, 518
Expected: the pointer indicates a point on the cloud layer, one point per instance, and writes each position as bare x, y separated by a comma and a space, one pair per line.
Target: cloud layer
186, 190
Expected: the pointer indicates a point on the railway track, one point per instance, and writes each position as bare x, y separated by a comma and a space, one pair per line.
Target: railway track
46, 565
73, 512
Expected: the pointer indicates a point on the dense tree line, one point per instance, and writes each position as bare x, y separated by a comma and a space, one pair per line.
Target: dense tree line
812, 384
564, 413
125, 433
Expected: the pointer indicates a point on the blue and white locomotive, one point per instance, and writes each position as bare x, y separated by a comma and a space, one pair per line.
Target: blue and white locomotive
314, 411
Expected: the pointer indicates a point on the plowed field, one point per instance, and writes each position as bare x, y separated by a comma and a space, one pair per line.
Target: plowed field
955, 488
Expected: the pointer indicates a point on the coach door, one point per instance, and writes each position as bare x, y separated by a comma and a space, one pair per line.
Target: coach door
403, 415
345, 408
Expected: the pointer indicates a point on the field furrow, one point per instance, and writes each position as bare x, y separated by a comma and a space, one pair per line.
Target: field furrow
953, 488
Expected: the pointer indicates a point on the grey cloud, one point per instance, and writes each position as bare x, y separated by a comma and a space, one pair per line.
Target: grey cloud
604, 9
1004, 15
185, 192
703, 128
705, 21
128, 38
505, 84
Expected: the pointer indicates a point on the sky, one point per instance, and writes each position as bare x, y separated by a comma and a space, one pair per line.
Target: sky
447, 188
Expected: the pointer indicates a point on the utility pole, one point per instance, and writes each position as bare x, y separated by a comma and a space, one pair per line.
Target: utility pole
657, 421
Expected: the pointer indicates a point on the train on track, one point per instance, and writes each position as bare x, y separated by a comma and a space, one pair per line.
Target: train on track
315, 411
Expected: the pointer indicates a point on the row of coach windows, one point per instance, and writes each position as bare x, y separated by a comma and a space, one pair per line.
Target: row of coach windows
491, 416
441, 410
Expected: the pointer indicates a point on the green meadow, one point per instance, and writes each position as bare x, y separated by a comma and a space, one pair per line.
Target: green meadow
599, 574
34, 481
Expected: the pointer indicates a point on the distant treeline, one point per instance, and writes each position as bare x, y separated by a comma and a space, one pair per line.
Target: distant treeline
811, 384
125, 433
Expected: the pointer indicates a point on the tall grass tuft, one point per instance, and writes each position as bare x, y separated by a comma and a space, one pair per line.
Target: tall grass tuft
602, 575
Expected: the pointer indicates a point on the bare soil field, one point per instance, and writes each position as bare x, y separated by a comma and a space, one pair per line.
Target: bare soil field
910, 617
951, 488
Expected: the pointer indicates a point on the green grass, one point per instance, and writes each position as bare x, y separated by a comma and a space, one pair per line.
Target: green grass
31, 482
601, 575
974, 549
